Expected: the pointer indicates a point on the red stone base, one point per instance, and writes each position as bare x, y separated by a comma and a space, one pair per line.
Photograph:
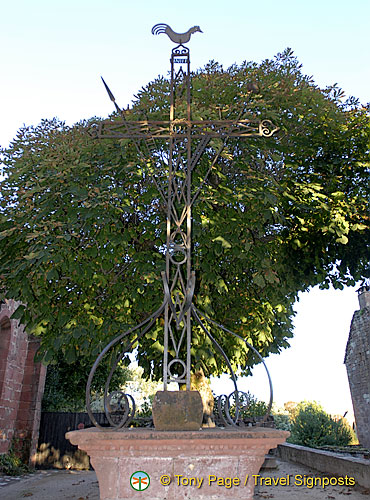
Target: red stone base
208, 464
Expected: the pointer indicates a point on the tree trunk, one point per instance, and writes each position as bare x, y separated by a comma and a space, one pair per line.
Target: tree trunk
198, 382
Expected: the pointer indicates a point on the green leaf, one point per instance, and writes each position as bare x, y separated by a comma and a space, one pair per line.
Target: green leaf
19, 312
52, 274
33, 255
343, 239
222, 240
258, 280
70, 355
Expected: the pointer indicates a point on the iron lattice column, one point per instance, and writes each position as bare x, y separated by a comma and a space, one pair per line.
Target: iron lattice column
179, 284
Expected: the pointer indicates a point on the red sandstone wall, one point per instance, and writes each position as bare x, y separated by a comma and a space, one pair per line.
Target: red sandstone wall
21, 385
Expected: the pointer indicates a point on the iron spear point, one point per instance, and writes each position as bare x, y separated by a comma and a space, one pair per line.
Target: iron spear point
111, 96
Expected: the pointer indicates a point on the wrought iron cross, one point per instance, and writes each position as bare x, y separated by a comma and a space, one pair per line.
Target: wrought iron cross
179, 278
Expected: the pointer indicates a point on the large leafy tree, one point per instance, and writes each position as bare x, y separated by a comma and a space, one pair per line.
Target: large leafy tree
83, 228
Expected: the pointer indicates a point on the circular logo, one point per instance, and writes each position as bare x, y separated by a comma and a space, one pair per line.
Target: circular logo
139, 480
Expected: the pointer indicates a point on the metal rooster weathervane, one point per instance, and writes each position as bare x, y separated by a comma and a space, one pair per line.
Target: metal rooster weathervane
187, 140
179, 38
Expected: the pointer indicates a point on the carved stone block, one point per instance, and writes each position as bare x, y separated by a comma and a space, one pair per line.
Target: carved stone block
177, 411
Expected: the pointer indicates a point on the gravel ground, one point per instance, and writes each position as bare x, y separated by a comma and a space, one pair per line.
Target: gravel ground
83, 485
51, 485
297, 492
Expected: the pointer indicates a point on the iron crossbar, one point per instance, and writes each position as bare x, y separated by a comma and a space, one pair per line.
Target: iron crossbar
179, 128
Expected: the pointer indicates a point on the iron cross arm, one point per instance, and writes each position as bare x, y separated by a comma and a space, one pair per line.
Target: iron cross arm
178, 129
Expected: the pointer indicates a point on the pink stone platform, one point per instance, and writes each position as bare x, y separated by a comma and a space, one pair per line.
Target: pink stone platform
208, 464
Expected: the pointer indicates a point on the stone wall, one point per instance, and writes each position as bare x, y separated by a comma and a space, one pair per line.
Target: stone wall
21, 385
357, 362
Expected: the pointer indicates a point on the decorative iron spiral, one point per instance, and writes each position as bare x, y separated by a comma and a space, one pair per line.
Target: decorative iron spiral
230, 414
119, 407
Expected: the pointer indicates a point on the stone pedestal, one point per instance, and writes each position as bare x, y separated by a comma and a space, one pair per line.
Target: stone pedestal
208, 464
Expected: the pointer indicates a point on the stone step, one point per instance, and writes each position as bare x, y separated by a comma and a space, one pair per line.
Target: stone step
269, 463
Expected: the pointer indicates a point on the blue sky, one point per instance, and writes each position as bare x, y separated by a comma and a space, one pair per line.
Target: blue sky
53, 53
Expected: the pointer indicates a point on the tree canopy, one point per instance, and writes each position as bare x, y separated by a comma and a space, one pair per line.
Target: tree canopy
82, 228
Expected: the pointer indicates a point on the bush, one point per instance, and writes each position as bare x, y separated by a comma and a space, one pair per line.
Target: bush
12, 465
65, 383
250, 408
282, 421
282, 417
311, 426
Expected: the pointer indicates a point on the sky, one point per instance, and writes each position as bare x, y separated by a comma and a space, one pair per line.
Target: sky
53, 53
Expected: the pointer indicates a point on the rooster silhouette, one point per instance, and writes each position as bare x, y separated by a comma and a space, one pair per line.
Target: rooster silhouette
175, 37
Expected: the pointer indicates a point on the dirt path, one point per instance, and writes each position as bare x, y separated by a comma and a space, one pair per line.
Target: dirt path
83, 485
